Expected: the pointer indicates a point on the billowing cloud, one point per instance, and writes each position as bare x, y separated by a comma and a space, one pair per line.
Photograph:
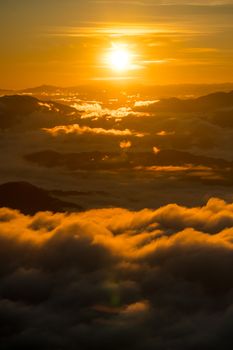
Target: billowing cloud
117, 278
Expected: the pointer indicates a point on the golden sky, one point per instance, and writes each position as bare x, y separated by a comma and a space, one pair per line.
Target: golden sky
68, 42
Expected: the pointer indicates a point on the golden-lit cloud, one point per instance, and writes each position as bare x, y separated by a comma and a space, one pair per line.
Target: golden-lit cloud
156, 150
112, 271
165, 133
80, 130
145, 103
125, 144
96, 110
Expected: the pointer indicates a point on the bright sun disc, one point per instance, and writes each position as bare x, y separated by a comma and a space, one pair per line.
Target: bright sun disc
119, 59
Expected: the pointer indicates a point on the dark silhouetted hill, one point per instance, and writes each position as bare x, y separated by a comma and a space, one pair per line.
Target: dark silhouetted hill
208, 103
28, 111
30, 199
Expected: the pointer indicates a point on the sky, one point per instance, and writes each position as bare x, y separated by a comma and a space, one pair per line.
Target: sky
68, 42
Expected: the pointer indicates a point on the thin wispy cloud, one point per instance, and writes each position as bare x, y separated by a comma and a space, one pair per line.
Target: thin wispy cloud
122, 29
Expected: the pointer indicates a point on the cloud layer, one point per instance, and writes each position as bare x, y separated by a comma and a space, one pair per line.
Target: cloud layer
120, 279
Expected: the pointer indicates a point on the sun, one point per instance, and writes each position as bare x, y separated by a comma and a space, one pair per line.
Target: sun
119, 59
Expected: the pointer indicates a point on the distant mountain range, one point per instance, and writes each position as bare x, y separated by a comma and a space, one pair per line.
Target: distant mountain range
115, 160
21, 104
108, 88
16, 109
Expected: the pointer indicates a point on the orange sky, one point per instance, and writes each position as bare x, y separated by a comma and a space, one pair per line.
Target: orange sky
65, 42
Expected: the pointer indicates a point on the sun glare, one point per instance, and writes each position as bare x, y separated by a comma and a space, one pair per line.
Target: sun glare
119, 59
